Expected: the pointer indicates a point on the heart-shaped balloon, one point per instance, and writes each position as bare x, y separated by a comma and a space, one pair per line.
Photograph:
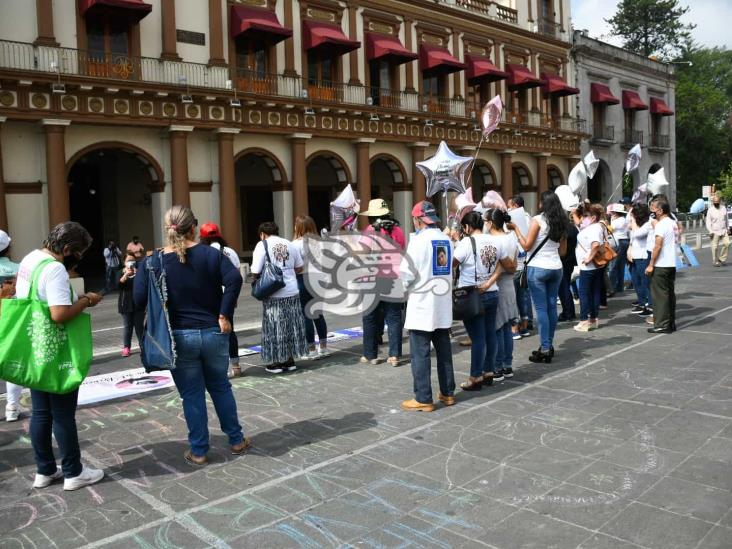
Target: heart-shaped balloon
492, 199
657, 182
490, 116
445, 171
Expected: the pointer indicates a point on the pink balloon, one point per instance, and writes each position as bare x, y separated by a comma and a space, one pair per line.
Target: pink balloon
492, 199
490, 116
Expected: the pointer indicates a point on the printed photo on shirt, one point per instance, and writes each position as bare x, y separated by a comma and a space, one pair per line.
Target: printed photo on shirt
441, 257
489, 257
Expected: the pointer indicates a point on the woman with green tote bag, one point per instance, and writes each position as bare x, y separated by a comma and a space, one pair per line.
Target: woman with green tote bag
45, 272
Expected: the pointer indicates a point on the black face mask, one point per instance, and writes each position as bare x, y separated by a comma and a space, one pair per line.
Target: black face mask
71, 261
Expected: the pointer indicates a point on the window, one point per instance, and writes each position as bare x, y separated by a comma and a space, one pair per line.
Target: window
478, 96
555, 177
321, 75
518, 105
252, 67
108, 45
382, 81
433, 93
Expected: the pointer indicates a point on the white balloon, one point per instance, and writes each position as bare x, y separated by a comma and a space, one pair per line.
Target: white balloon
657, 182
569, 200
577, 179
591, 164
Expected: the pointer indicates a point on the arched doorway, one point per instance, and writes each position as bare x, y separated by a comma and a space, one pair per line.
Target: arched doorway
110, 186
523, 184
327, 175
482, 180
554, 176
386, 174
257, 174
600, 187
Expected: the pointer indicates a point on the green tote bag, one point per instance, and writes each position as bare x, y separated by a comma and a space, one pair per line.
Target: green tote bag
38, 353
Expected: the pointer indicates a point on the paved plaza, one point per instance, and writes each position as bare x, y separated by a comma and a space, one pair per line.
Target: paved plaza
625, 440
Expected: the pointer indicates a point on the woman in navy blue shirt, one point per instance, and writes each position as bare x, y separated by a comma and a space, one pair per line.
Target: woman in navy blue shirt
199, 312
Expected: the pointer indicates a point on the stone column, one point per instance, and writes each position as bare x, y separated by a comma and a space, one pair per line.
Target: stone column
227, 188
419, 189
507, 173
179, 164
353, 35
170, 42
299, 173
216, 35
3, 207
363, 176
409, 84
542, 178
457, 88
44, 22
58, 188
289, 44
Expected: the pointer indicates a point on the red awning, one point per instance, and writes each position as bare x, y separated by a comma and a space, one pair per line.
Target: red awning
600, 93
481, 68
252, 22
438, 60
521, 77
383, 46
633, 102
659, 106
551, 84
136, 9
327, 38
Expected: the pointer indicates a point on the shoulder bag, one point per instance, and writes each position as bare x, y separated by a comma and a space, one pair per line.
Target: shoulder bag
524, 274
270, 279
158, 344
466, 301
37, 352
605, 254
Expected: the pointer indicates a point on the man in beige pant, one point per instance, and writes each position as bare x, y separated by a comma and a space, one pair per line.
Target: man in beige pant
717, 228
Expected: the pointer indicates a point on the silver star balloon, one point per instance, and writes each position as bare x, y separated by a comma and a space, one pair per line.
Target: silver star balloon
445, 171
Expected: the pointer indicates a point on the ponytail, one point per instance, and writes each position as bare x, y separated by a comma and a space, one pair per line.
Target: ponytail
497, 217
179, 220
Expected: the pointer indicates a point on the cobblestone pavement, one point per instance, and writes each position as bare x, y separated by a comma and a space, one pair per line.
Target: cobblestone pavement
625, 440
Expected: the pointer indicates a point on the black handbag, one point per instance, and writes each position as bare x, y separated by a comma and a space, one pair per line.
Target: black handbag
270, 279
524, 275
466, 301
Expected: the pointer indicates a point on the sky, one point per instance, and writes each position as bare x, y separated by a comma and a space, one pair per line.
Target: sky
711, 17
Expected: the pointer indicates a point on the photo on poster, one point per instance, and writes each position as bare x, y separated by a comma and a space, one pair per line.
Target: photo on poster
441, 257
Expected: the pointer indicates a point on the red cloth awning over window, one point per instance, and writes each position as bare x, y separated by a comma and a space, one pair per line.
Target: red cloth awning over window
257, 22
327, 38
551, 84
600, 93
659, 106
521, 77
136, 9
438, 60
633, 102
383, 46
481, 68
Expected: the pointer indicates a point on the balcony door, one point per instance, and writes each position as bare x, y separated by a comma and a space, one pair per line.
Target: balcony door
321, 76
518, 105
434, 93
108, 45
252, 66
382, 81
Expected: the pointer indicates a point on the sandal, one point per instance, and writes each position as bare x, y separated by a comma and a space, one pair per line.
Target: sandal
488, 379
393, 361
243, 446
234, 371
473, 384
196, 461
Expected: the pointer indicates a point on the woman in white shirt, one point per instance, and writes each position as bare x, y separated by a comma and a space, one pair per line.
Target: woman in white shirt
619, 224
589, 241
478, 257
545, 242
283, 324
640, 226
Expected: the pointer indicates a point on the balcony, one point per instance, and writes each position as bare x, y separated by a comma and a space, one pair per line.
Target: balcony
487, 7
602, 134
548, 27
660, 142
632, 137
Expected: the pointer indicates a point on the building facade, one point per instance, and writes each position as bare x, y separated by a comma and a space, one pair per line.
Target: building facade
252, 110
626, 99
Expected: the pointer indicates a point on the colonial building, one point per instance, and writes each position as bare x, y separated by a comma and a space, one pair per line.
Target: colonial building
626, 99
250, 110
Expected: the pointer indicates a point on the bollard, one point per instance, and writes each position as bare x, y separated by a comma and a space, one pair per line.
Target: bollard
695, 237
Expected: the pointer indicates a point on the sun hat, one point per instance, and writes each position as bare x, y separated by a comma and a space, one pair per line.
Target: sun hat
377, 207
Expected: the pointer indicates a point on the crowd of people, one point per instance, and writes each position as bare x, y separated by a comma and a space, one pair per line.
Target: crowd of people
516, 277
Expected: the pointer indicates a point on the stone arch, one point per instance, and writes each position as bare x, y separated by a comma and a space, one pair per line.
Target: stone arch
387, 175
601, 186
554, 176
327, 174
336, 161
483, 179
277, 169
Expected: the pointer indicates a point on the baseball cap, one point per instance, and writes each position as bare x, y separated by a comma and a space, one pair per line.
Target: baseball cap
210, 230
4, 240
426, 212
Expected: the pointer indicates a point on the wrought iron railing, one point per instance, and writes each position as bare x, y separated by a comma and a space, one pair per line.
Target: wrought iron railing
660, 140
603, 132
481, 6
633, 137
548, 27
506, 14
487, 7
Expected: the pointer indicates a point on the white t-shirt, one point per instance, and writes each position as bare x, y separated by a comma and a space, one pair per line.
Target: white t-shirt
286, 256
639, 241
489, 251
548, 256
620, 227
651, 238
53, 283
429, 306
230, 254
585, 238
666, 228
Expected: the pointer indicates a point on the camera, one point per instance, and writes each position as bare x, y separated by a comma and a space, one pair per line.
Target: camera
653, 215
385, 224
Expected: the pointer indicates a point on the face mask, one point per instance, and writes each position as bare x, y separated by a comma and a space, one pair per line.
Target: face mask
130, 264
716, 204
70, 261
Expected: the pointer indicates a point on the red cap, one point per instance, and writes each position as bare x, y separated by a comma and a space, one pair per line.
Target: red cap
210, 230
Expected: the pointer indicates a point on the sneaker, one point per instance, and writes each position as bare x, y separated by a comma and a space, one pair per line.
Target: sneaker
274, 368
530, 326
312, 355
645, 313
637, 309
603, 307
290, 366
372, 361
11, 413
582, 326
125, 352
88, 476
498, 376
635, 304
516, 336
42, 481
323, 352
649, 319
525, 333
414, 406
594, 324
508, 373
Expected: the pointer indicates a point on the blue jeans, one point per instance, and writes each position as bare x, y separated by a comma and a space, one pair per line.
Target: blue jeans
482, 332
419, 347
319, 322
57, 413
590, 286
648, 282
544, 287
617, 274
565, 292
201, 365
504, 347
132, 321
391, 313
641, 282
523, 299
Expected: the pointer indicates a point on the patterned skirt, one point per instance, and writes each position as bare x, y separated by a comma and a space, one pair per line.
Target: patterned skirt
507, 308
283, 330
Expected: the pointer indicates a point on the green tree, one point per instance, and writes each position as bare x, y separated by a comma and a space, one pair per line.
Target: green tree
651, 27
724, 187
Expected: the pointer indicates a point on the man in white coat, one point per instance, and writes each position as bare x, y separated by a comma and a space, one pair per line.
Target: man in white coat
429, 308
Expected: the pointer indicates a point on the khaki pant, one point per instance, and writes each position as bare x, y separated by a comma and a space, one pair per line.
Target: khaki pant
720, 247
663, 295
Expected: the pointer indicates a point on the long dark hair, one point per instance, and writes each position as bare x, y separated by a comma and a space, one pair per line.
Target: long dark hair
555, 216
472, 220
498, 217
640, 213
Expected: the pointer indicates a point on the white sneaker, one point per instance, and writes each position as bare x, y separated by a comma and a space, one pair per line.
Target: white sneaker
322, 352
12, 414
88, 476
42, 481
312, 355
